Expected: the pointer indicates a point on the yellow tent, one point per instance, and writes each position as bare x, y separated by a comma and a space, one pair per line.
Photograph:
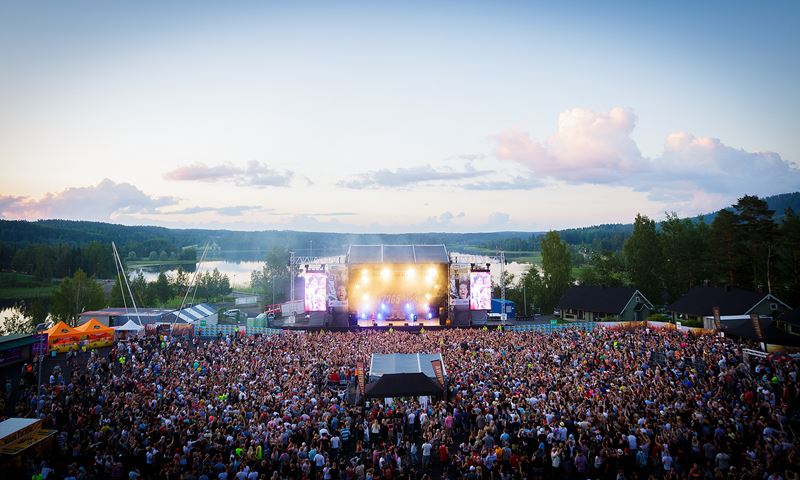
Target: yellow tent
62, 338
96, 334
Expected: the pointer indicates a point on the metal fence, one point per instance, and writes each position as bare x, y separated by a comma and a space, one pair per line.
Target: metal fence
548, 328
217, 330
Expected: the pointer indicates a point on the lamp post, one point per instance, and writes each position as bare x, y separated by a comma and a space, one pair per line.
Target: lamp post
39, 328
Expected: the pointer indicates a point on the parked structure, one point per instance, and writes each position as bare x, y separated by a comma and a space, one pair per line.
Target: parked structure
604, 304
700, 301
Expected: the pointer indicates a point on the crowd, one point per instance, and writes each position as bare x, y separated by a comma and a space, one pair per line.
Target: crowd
606, 404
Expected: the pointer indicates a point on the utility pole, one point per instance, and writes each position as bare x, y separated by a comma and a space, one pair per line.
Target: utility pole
524, 297
291, 275
39, 328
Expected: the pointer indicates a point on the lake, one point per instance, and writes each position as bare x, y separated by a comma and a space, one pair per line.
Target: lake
239, 273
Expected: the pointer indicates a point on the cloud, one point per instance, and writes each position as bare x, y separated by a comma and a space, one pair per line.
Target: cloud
254, 174
498, 219
587, 147
333, 214
233, 211
410, 176
443, 221
596, 148
515, 182
102, 202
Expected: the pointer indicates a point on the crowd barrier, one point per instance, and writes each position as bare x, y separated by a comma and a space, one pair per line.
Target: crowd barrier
217, 330
547, 328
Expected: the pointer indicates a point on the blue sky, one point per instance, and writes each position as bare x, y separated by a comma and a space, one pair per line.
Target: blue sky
365, 117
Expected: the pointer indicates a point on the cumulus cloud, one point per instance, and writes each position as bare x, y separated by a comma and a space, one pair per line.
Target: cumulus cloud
596, 148
410, 176
254, 174
102, 202
587, 146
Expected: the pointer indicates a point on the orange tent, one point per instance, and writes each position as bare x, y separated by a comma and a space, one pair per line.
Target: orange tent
62, 338
96, 334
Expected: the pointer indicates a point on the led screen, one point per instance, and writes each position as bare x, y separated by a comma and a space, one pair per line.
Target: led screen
459, 285
316, 291
480, 297
337, 286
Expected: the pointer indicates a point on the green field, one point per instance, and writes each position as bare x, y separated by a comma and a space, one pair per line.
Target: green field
15, 286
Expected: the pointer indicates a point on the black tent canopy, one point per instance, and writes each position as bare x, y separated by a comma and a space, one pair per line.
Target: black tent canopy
403, 385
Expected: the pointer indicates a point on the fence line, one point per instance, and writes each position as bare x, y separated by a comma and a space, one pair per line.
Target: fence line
216, 330
547, 328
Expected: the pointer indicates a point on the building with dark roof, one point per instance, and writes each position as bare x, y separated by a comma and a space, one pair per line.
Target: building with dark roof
604, 304
700, 301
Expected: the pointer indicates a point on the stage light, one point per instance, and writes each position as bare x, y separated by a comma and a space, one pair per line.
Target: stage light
408, 306
366, 297
432, 272
430, 315
380, 316
364, 272
383, 306
427, 296
411, 273
385, 274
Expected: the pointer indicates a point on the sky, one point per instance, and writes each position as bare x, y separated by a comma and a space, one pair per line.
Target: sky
414, 117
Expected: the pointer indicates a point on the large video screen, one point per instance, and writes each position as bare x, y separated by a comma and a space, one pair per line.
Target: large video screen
459, 285
337, 286
316, 291
480, 297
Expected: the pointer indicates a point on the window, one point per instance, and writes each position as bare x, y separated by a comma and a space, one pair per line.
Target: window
773, 306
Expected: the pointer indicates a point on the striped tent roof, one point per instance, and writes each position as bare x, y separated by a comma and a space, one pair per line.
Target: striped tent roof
190, 314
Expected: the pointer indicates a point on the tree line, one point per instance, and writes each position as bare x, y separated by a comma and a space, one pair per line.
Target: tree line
45, 261
743, 247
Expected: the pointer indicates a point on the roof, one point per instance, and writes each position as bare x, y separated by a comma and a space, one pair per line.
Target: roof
701, 300
599, 299
14, 425
504, 302
130, 326
384, 364
191, 314
403, 385
357, 254
93, 326
17, 340
115, 311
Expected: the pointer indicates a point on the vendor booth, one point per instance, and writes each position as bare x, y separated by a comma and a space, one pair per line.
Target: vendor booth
63, 338
95, 334
131, 329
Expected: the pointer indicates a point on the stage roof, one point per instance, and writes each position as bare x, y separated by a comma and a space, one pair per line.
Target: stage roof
397, 254
382, 364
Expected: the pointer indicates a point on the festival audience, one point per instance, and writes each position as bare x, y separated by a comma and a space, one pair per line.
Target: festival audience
617, 404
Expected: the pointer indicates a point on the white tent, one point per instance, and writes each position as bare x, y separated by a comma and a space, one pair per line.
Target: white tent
381, 364
130, 329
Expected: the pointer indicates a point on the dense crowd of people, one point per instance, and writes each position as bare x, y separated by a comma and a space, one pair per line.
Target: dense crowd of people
606, 404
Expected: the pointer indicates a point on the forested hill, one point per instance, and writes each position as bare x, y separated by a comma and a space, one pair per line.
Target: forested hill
147, 238
610, 237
